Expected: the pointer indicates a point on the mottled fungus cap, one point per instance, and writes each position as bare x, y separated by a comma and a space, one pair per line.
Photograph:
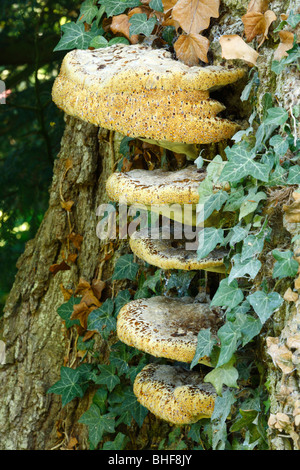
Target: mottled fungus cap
174, 394
143, 92
171, 253
156, 186
167, 327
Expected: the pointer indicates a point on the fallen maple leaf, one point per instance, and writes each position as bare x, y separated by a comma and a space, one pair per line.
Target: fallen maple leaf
234, 47
194, 15
290, 296
190, 48
292, 212
168, 4
286, 43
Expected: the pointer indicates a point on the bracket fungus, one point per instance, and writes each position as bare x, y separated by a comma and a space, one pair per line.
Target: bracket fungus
167, 327
171, 253
143, 92
174, 394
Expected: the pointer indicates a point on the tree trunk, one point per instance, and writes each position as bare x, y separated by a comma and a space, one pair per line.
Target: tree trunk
36, 342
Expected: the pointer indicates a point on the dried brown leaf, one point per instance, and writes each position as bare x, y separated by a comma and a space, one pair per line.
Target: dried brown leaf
76, 239
234, 47
97, 287
290, 296
67, 205
292, 212
168, 4
258, 5
55, 268
194, 15
190, 48
120, 25
67, 293
254, 24
286, 43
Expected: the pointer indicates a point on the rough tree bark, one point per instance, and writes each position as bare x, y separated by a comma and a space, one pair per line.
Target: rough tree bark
36, 343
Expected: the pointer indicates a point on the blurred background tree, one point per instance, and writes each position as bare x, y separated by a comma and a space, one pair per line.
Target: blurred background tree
31, 125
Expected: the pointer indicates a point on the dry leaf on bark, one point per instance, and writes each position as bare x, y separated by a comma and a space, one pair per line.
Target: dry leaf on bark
76, 239
55, 268
234, 47
286, 43
120, 25
67, 205
194, 15
292, 212
290, 296
257, 24
281, 355
258, 5
190, 48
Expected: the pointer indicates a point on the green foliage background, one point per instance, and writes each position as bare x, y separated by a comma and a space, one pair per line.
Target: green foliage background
31, 125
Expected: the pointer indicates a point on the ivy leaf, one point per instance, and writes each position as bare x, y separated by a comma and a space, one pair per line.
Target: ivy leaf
88, 11
156, 5
118, 443
250, 203
240, 268
224, 375
101, 319
122, 299
238, 233
276, 116
107, 377
209, 238
131, 408
294, 175
248, 326
140, 24
228, 295
265, 304
229, 336
74, 37
241, 163
65, 311
213, 203
125, 268
221, 411
98, 41
286, 265
205, 344
97, 424
252, 246
116, 7
69, 385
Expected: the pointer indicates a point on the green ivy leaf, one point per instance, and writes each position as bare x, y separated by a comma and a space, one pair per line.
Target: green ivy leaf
265, 304
88, 11
252, 246
276, 116
205, 345
116, 7
250, 203
294, 175
102, 320
209, 238
156, 5
228, 295
229, 336
250, 266
119, 443
221, 411
213, 203
97, 423
98, 41
248, 326
69, 386
140, 24
241, 163
107, 376
125, 268
286, 265
130, 409
224, 375
65, 311
74, 37
122, 299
